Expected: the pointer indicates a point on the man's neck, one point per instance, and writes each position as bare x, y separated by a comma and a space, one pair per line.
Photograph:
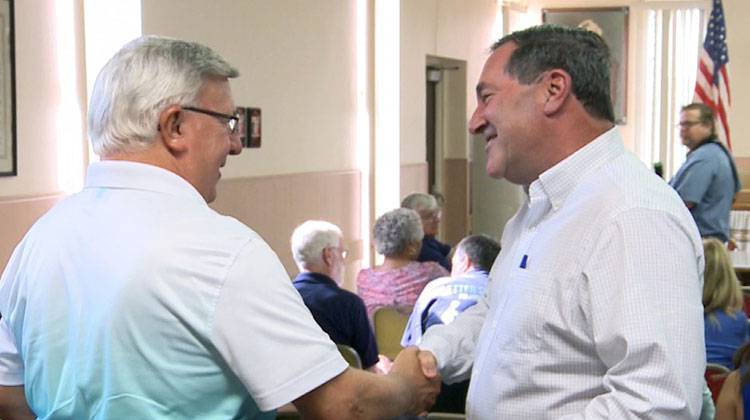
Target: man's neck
709, 139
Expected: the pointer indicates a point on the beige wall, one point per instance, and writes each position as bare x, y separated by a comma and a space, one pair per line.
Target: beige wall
274, 205
738, 38
454, 29
297, 63
49, 37
41, 28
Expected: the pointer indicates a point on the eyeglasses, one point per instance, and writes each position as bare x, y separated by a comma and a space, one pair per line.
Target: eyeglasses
688, 124
344, 251
232, 121
431, 215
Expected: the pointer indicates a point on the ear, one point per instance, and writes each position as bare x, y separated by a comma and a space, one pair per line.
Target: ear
464, 263
170, 129
557, 85
327, 256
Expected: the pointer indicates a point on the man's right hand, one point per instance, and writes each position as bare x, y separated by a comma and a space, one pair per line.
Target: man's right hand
421, 375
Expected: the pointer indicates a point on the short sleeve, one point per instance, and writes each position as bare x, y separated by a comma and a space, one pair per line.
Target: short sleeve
266, 334
692, 181
11, 364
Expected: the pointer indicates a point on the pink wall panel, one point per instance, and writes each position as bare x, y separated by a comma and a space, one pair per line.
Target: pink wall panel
274, 205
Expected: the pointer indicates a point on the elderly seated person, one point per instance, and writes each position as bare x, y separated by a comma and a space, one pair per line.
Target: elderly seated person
318, 250
399, 280
444, 298
429, 212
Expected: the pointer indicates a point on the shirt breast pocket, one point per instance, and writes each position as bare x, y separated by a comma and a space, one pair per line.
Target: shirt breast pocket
520, 320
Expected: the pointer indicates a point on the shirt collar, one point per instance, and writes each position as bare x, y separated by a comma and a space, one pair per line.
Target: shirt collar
139, 176
309, 276
556, 183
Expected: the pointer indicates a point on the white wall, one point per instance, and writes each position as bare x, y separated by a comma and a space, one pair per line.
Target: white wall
454, 29
50, 96
296, 61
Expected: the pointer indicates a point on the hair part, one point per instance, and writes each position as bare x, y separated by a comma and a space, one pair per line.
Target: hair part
310, 239
395, 230
139, 82
721, 289
480, 249
579, 52
705, 114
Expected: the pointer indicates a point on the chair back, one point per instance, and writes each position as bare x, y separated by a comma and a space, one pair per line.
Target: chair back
389, 323
350, 355
746, 300
715, 375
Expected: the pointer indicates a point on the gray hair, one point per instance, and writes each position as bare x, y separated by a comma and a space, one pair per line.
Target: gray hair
581, 53
420, 202
311, 238
395, 230
480, 249
146, 76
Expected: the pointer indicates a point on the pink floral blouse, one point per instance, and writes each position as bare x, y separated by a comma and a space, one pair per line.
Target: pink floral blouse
400, 286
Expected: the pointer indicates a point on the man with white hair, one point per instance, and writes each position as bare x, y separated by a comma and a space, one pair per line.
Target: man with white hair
134, 299
320, 255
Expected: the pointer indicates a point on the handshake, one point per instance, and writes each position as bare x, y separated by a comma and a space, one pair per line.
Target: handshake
417, 373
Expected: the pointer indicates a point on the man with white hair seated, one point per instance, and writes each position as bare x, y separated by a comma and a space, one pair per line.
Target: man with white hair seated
430, 213
318, 250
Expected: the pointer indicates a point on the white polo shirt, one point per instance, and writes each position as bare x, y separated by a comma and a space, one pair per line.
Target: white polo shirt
134, 299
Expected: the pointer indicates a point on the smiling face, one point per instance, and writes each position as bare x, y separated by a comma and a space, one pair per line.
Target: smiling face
504, 118
209, 138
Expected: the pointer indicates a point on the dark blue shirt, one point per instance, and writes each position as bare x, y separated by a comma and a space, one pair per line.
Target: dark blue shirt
434, 250
340, 313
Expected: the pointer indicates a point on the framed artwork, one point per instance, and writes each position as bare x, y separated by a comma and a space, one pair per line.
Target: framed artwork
7, 91
610, 23
250, 127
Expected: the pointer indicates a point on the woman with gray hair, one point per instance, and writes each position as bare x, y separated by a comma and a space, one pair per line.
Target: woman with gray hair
399, 280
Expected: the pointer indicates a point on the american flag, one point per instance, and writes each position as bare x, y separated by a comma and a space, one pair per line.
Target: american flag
712, 83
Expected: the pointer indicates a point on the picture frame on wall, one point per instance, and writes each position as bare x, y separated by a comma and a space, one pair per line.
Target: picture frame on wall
611, 23
8, 165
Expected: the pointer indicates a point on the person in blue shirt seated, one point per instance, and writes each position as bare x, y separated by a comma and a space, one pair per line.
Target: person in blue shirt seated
429, 211
725, 322
318, 250
443, 299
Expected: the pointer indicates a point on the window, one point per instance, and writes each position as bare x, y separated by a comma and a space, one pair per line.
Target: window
670, 43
